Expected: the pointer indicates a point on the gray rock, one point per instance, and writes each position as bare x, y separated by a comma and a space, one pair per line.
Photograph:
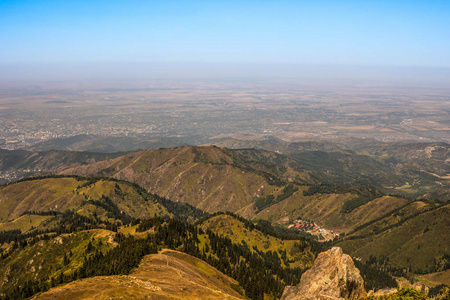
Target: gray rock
332, 276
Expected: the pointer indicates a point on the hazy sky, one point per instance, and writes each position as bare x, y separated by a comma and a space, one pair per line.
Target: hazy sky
399, 33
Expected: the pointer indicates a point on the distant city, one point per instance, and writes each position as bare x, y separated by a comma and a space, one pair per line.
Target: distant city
201, 111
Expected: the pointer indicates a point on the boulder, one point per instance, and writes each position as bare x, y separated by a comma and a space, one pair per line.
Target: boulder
383, 292
421, 287
332, 276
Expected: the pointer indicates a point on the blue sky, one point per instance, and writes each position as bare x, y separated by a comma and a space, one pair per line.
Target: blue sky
385, 33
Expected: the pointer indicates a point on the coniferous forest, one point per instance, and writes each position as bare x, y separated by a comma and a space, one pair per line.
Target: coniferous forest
258, 272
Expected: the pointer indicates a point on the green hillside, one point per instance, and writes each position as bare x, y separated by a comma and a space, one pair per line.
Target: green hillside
264, 185
57, 230
215, 179
44, 259
77, 247
414, 238
134, 205
230, 227
37, 204
104, 198
414, 170
64, 229
326, 210
208, 178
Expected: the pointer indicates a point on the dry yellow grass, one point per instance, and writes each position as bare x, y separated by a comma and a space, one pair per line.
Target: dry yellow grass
204, 177
166, 275
61, 194
434, 279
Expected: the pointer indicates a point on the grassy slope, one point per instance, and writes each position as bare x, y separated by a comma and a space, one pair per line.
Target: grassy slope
24, 223
71, 191
166, 275
38, 195
45, 258
424, 166
232, 228
205, 177
325, 210
415, 242
60, 194
434, 279
414, 239
218, 179
396, 217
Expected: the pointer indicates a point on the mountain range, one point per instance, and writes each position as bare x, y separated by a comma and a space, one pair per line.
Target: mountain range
91, 210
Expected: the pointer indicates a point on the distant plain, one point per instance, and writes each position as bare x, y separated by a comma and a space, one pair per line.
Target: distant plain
205, 111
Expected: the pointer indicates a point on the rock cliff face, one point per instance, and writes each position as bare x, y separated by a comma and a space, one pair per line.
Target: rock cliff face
332, 276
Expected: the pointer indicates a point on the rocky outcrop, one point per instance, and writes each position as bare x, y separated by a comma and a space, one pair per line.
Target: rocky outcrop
421, 287
382, 292
332, 276
404, 283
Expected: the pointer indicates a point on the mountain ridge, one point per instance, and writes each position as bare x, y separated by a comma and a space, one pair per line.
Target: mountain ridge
166, 274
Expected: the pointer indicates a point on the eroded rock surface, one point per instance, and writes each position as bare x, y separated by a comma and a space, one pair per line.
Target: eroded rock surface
332, 276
